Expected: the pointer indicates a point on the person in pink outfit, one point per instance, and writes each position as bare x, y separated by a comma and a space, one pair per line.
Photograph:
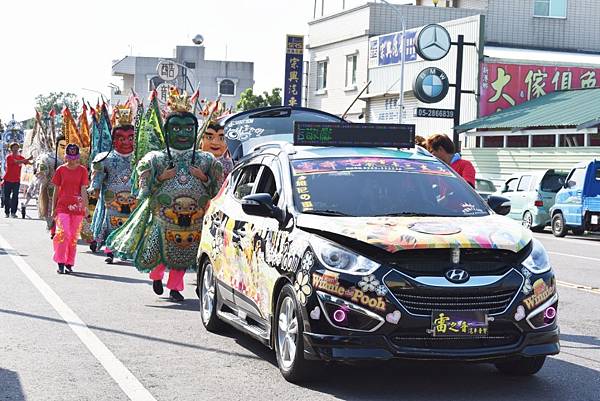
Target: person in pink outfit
70, 204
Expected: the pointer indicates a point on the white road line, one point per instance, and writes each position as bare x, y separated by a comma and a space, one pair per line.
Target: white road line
573, 256
585, 288
115, 368
589, 240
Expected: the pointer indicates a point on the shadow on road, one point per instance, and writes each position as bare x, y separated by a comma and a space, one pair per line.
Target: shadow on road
10, 386
594, 341
106, 277
129, 334
188, 304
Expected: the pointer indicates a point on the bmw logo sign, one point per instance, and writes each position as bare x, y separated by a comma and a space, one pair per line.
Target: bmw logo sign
431, 85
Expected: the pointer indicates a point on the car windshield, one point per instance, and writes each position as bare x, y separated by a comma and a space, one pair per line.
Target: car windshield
485, 186
371, 186
553, 182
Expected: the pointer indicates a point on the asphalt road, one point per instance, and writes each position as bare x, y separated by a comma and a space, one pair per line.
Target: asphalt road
102, 334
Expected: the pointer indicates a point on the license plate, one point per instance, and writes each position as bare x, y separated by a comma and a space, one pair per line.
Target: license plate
594, 219
459, 323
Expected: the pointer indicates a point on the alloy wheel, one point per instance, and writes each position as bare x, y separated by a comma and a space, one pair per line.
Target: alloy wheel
207, 293
287, 332
527, 220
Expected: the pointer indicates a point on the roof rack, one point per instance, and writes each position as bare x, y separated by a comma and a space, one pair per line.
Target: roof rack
285, 146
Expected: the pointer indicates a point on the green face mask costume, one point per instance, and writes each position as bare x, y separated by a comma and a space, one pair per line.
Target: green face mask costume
164, 231
181, 131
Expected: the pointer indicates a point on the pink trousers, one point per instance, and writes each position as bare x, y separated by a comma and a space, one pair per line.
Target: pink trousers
175, 281
68, 227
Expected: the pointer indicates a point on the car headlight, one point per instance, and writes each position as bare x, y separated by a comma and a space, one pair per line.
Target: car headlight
537, 262
338, 259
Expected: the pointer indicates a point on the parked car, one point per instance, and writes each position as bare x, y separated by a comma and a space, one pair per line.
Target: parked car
353, 253
532, 195
577, 206
484, 187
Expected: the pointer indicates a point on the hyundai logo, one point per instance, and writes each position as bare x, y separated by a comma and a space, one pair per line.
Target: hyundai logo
457, 276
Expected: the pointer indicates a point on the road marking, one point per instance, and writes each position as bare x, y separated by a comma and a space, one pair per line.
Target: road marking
573, 256
115, 368
581, 240
586, 288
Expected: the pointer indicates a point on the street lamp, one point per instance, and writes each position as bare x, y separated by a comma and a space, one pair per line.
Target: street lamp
402, 60
435, 2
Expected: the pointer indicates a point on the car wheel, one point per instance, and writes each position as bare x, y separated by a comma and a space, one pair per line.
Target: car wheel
578, 231
289, 345
521, 366
208, 297
559, 229
527, 220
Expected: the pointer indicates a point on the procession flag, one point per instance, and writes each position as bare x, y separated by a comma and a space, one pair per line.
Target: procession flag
84, 128
69, 128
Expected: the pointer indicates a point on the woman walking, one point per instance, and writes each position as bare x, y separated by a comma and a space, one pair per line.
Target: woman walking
70, 205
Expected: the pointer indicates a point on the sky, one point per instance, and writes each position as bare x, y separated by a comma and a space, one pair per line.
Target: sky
65, 45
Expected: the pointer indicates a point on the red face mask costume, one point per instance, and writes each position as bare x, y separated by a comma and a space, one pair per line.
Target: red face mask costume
123, 141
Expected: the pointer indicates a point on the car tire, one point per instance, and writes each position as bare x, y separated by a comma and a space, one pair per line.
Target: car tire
288, 333
527, 220
578, 231
208, 298
522, 366
559, 229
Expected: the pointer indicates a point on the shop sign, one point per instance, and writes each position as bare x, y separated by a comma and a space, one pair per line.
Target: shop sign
387, 49
505, 85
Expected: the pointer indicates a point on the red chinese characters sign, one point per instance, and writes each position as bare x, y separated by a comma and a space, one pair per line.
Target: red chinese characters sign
506, 85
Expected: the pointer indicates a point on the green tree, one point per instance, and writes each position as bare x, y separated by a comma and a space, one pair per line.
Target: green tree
248, 100
57, 100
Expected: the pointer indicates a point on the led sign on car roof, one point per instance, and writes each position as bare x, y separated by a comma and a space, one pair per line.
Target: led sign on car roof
354, 135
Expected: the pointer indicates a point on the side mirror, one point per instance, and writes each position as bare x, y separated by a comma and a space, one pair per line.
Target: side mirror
570, 184
499, 204
261, 205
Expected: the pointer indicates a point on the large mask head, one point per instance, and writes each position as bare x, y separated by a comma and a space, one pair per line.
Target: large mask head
181, 130
123, 138
213, 140
61, 147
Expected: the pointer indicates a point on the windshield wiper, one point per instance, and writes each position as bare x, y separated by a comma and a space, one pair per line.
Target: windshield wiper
409, 214
279, 112
328, 213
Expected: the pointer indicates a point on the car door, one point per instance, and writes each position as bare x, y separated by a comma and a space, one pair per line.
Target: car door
573, 209
520, 197
229, 232
509, 191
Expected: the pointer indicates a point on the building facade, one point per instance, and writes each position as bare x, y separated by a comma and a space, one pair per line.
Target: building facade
212, 77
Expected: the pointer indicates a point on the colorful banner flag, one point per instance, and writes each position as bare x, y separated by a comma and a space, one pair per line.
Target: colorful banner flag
69, 128
84, 128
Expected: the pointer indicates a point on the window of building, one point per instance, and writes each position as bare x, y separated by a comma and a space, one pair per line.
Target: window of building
543, 141
524, 183
493, 142
351, 70
571, 140
321, 75
550, 8
593, 139
518, 141
189, 64
227, 87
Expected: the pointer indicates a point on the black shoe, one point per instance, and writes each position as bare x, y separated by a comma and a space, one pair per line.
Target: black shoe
69, 269
23, 211
61, 268
176, 296
109, 258
93, 246
157, 287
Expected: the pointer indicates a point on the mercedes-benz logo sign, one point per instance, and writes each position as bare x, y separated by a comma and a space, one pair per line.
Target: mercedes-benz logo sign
457, 276
433, 42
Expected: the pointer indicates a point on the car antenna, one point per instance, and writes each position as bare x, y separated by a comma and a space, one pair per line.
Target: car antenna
355, 99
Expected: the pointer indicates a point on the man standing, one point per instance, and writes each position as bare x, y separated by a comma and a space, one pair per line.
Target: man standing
442, 147
111, 181
12, 179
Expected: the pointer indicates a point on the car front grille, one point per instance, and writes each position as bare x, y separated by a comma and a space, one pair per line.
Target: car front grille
500, 334
425, 304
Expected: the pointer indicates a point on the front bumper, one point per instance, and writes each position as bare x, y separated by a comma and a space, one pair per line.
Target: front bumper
363, 347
